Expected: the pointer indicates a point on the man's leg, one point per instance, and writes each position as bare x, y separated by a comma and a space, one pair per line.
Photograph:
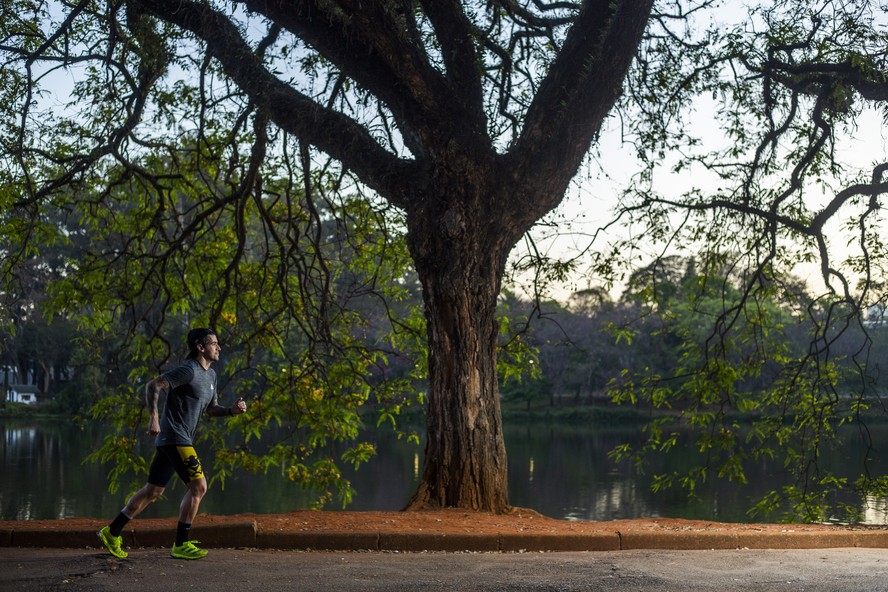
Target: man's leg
160, 472
110, 535
140, 500
191, 502
197, 488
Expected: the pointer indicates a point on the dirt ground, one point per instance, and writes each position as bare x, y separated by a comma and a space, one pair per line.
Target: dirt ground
451, 521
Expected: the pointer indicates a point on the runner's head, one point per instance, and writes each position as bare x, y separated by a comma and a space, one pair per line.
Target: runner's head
197, 337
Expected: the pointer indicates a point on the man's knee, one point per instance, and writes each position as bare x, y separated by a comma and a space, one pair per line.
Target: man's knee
152, 492
147, 495
198, 487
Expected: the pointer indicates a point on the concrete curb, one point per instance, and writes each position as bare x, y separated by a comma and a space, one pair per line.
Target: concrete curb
249, 533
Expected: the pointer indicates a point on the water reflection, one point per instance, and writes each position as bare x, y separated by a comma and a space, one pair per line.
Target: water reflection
565, 472
21, 438
560, 472
41, 473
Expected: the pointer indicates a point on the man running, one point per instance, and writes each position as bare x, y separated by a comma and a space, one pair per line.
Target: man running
191, 391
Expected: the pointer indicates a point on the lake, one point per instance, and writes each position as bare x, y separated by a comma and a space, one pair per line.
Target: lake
562, 472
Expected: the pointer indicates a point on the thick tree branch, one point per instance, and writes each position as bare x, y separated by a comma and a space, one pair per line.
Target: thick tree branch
814, 78
456, 35
581, 87
330, 131
373, 45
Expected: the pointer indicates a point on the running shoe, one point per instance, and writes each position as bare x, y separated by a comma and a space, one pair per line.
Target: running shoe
112, 543
188, 550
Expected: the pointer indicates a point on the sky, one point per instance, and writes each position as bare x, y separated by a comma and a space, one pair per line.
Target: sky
594, 199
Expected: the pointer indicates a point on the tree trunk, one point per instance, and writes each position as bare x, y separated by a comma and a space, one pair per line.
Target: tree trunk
460, 250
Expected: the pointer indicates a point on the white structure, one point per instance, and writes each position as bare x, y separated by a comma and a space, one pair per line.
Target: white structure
16, 392
22, 393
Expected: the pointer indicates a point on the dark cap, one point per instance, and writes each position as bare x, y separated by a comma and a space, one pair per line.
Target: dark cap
196, 336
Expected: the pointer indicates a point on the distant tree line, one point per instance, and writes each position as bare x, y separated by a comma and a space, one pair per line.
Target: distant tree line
578, 352
658, 330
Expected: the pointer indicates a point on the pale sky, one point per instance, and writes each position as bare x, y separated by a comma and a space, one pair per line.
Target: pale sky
593, 198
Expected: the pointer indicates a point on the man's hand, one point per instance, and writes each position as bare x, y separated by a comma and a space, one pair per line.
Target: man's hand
240, 406
153, 424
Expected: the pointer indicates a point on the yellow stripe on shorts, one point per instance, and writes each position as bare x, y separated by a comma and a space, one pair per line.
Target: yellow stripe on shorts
192, 463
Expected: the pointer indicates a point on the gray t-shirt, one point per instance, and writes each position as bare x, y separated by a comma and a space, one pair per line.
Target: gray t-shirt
192, 390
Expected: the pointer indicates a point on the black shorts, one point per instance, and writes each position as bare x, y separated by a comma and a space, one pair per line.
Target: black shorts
181, 460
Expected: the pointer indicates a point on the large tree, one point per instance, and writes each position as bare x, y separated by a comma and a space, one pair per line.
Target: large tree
470, 117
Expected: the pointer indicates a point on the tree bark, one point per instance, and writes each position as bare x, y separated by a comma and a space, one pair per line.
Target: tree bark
460, 249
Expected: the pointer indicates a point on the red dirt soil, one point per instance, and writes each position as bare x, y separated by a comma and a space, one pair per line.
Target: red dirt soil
452, 521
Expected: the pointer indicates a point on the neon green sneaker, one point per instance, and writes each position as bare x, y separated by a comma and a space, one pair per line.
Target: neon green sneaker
188, 550
112, 543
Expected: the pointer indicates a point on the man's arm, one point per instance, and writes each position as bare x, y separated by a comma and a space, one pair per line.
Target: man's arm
155, 387
217, 410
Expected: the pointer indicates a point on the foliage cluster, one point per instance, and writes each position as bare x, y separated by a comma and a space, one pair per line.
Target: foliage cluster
293, 292
729, 374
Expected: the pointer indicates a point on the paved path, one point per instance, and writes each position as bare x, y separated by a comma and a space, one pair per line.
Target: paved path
817, 570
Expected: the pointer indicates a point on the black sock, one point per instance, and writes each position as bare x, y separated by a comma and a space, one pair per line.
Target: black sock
117, 525
182, 531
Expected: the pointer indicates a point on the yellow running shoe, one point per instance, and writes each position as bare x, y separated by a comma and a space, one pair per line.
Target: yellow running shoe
188, 550
112, 543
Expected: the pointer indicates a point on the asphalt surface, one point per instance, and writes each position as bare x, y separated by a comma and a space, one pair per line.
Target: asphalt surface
248, 570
